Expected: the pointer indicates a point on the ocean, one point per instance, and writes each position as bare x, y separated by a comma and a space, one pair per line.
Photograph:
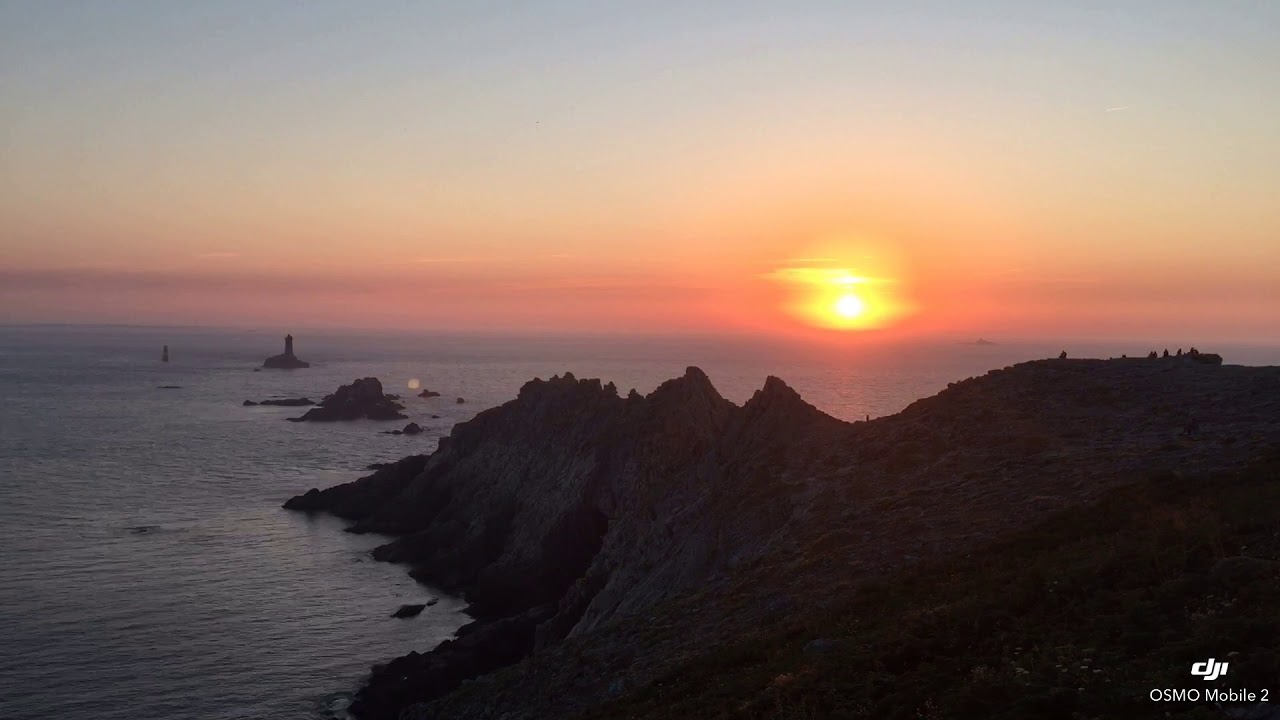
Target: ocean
148, 570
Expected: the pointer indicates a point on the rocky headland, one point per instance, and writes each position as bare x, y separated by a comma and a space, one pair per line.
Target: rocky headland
639, 556
363, 398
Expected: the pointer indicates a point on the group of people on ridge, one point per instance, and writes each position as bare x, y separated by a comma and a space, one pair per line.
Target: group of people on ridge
1192, 353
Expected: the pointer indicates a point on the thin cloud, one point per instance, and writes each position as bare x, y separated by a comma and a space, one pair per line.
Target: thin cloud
822, 276
811, 260
1118, 109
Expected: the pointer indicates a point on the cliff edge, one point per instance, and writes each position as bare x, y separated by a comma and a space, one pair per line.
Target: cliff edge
640, 531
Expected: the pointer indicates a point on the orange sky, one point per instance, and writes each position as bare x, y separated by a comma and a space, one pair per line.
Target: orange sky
995, 170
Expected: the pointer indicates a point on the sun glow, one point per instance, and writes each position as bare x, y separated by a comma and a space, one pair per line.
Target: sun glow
857, 289
850, 306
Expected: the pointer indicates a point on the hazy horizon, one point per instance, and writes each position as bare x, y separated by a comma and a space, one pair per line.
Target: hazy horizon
838, 172
836, 348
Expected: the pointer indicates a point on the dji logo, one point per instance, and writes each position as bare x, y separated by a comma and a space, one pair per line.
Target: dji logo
1210, 670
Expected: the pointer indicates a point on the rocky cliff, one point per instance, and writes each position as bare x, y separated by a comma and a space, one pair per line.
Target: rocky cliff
636, 531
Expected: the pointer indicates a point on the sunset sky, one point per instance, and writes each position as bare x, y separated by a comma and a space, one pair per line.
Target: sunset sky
993, 168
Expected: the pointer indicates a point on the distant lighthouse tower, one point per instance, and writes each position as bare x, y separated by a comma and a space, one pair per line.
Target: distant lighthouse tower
164, 355
285, 360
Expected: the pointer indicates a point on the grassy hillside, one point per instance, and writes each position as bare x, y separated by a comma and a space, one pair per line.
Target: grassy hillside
1079, 617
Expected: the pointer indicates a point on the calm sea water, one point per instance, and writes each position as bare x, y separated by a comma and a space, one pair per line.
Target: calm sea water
146, 567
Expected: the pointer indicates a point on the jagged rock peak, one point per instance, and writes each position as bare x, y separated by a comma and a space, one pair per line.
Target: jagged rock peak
778, 408
694, 383
775, 386
688, 405
777, 395
564, 385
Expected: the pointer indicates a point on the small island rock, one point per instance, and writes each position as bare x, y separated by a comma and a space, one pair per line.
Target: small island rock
363, 398
285, 360
283, 402
410, 429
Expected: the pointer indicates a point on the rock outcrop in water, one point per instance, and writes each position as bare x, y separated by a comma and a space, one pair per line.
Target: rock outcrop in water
410, 610
281, 402
412, 428
363, 398
610, 537
285, 360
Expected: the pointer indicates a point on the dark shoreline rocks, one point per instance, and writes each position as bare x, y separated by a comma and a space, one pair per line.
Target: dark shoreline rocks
358, 498
362, 399
428, 393
408, 611
647, 528
478, 648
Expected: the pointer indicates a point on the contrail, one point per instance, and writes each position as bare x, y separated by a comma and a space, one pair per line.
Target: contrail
1117, 109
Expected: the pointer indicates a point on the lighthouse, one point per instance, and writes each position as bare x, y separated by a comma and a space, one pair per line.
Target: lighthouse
285, 360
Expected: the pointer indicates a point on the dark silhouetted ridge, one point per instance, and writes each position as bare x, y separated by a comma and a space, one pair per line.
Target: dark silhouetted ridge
612, 536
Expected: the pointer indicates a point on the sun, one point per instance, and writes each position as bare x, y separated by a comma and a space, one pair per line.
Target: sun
850, 306
847, 287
